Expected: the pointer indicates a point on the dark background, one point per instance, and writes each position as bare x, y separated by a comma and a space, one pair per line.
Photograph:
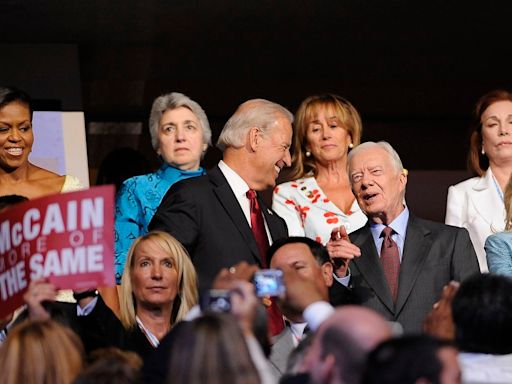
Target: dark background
414, 69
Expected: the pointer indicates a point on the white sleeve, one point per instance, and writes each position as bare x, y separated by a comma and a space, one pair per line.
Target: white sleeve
315, 314
285, 206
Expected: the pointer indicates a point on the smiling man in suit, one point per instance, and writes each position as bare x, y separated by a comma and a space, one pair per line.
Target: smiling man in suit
216, 216
398, 262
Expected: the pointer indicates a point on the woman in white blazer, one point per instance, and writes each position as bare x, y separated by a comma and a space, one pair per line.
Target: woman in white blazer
477, 203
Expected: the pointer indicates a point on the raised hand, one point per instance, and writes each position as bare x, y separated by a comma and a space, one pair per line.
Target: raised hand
341, 250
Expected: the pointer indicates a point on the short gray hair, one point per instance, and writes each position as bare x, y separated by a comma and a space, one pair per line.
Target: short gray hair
258, 113
393, 155
172, 101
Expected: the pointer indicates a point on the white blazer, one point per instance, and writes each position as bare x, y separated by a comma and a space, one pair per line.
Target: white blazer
476, 205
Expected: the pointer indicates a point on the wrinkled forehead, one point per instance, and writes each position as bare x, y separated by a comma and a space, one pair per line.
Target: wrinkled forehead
369, 157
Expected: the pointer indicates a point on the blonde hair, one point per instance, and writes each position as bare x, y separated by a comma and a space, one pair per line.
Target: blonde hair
187, 278
344, 112
41, 352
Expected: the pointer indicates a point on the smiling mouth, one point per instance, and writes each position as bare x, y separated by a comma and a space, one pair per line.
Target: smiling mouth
14, 151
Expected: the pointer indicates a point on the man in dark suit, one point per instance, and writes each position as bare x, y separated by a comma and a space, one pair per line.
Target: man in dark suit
398, 262
211, 215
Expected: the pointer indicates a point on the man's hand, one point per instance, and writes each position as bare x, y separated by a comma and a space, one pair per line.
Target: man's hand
341, 250
439, 322
39, 290
243, 305
227, 276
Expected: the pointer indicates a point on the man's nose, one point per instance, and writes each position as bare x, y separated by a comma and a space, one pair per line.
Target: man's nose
287, 158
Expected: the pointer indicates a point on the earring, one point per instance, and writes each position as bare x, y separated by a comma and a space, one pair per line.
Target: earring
351, 145
483, 150
308, 154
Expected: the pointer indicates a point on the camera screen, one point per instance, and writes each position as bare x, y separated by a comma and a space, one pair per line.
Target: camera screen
269, 282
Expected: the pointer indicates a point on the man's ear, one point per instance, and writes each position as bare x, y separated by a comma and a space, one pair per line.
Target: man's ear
327, 272
254, 138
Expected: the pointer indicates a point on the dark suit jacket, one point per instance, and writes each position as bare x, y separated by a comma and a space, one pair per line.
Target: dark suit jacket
102, 329
205, 216
433, 255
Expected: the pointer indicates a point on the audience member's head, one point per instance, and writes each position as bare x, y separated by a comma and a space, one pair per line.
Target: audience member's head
309, 258
378, 180
40, 352
209, 350
176, 277
342, 342
256, 142
177, 122
478, 156
482, 314
414, 359
10, 95
340, 112
111, 366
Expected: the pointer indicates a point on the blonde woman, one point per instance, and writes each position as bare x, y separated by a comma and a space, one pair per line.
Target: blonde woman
319, 198
498, 247
159, 286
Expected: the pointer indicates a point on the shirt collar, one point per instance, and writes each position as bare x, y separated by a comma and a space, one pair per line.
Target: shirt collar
169, 170
399, 225
237, 184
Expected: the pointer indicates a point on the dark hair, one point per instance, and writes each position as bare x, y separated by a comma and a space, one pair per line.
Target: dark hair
210, 349
405, 360
10, 95
111, 366
482, 314
7, 200
318, 250
478, 162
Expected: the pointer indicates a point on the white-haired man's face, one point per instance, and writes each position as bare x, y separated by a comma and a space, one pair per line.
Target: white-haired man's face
376, 184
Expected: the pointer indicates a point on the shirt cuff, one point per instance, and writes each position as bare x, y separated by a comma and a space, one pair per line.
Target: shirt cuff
343, 280
87, 309
316, 313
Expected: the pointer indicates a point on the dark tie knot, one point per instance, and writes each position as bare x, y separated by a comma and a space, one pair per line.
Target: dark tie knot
251, 194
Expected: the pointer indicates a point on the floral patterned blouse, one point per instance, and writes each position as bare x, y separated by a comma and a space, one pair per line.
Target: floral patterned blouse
136, 203
309, 212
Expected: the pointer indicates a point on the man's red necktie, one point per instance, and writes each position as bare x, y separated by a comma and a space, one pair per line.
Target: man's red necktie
390, 260
275, 317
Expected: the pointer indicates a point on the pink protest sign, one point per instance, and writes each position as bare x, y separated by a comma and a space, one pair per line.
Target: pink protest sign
67, 238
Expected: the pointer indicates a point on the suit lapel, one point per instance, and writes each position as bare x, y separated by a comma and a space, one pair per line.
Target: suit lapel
230, 203
484, 198
369, 266
416, 248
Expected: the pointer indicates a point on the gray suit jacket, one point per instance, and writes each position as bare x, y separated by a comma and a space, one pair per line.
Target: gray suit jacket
282, 345
433, 255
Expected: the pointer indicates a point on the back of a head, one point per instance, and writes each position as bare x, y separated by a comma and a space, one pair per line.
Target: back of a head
366, 326
112, 366
258, 113
482, 313
404, 360
40, 352
210, 350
